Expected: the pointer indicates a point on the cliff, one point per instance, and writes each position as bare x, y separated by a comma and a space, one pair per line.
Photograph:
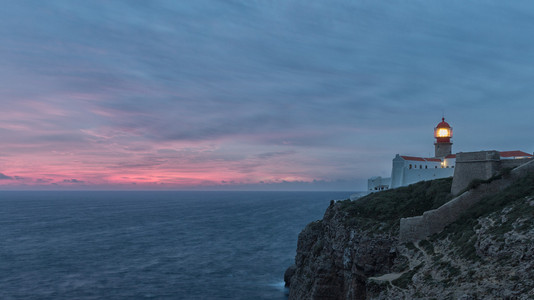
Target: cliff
354, 251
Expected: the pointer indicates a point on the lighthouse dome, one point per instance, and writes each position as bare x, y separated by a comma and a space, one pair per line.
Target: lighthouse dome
443, 124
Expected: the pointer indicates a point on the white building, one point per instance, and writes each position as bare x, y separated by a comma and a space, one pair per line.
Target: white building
411, 169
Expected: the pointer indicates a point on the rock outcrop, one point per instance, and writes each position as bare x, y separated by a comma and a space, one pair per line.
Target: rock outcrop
354, 251
342, 259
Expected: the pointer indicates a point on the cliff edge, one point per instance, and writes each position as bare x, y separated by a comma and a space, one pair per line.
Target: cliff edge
354, 251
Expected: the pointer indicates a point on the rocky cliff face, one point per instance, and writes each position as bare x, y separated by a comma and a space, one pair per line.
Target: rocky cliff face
333, 261
354, 253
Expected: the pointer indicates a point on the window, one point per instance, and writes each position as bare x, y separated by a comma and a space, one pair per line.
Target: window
426, 167
420, 166
410, 166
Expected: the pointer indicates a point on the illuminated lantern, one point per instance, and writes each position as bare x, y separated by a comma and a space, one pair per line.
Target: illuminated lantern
443, 135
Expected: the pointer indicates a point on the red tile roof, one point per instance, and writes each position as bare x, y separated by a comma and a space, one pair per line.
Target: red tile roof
451, 156
412, 158
514, 153
415, 158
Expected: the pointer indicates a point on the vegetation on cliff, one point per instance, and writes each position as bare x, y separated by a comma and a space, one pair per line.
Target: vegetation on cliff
382, 211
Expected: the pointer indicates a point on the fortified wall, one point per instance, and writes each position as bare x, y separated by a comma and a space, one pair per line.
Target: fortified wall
474, 165
479, 165
469, 166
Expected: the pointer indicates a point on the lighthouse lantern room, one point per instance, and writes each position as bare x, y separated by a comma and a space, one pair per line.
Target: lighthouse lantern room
443, 135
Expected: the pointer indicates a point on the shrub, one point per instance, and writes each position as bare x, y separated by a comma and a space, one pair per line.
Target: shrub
429, 248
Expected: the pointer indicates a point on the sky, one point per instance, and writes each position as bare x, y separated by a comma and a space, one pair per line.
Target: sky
254, 95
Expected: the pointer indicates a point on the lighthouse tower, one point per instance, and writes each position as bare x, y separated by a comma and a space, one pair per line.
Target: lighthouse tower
443, 135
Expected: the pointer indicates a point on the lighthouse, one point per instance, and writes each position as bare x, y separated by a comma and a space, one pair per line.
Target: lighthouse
443, 135
408, 169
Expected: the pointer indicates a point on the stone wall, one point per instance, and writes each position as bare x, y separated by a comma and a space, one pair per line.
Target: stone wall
474, 165
442, 149
512, 163
433, 221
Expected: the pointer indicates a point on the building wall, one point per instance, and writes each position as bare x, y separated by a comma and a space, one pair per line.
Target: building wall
405, 172
397, 174
474, 165
449, 162
416, 175
378, 183
512, 163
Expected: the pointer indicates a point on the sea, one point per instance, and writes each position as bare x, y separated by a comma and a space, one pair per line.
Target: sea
151, 245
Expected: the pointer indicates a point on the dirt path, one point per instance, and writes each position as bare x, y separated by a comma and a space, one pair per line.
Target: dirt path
387, 277
413, 263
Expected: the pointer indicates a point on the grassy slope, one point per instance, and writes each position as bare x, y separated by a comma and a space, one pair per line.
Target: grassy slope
382, 211
516, 198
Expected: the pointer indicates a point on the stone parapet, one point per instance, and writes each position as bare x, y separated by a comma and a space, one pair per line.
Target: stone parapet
512, 163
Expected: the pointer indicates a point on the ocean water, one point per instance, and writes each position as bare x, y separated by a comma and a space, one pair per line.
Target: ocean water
151, 245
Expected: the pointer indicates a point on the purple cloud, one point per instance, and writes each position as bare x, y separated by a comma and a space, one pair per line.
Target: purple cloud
73, 181
3, 176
